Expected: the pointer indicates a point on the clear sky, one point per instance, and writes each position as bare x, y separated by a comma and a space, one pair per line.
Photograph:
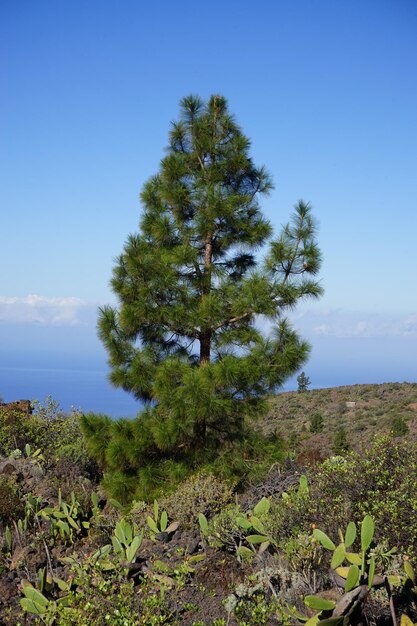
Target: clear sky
325, 89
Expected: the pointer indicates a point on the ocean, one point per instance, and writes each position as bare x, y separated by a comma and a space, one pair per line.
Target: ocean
85, 389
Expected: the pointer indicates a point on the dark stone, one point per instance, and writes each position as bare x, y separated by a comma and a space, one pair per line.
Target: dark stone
8, 467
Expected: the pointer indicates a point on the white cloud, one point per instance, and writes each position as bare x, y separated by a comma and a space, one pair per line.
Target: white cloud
43, 310
356, 324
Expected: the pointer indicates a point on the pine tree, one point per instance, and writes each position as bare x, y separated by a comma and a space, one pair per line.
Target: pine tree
316, 423
303, 382
185, 338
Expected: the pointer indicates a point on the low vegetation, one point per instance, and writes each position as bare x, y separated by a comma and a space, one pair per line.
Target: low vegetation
319, 541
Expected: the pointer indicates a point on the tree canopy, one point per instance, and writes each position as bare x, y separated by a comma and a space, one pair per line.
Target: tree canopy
196, 296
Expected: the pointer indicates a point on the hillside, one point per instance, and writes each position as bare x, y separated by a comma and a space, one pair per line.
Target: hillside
361, 410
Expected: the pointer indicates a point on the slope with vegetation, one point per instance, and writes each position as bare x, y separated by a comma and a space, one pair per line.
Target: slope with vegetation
209, 552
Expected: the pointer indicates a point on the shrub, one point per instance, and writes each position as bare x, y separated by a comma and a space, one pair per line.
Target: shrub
10, 503
17, 429
399, 427
100, 599
200, 493
340, 443
316, 423
380, 481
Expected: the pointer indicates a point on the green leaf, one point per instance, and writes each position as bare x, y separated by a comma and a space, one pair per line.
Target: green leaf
105, 550
196, 558
303, 488
408, 568
354, 558
263, 506
204, 527
256, 538
151, 524
264, 546
164, 521
319, 604
128, 530
312, 621
119, 532
156, 510
73, 523
257, 524
243, 523
245, 552
367, 532
116, 504
36, 596
133, 548
371, 573
63, 526
352, 578
338, 556
42, 578
117, 546
8, 536
31, 607
62, 584
350, 534
325, 541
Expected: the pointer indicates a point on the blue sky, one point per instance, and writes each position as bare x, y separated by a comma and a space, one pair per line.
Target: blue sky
327, 92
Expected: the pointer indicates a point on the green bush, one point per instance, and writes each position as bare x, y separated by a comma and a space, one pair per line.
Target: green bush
17, 429
316, 423
200, 493
100, 599
380, 481
399, 427
340, 443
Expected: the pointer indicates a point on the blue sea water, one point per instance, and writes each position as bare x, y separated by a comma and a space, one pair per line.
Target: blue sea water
85, 389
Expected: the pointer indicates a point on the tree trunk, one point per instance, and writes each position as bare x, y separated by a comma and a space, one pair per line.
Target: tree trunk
206, 333
200, 427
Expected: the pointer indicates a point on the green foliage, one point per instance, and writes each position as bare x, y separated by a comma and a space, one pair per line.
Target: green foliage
359, 575
64, 518
190, 289
100, 598
127, 540
340, 443
200, 493
47, 435
303, 382
399, 427
37, 603
361, 568
244, 533
316, 423
380, 481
